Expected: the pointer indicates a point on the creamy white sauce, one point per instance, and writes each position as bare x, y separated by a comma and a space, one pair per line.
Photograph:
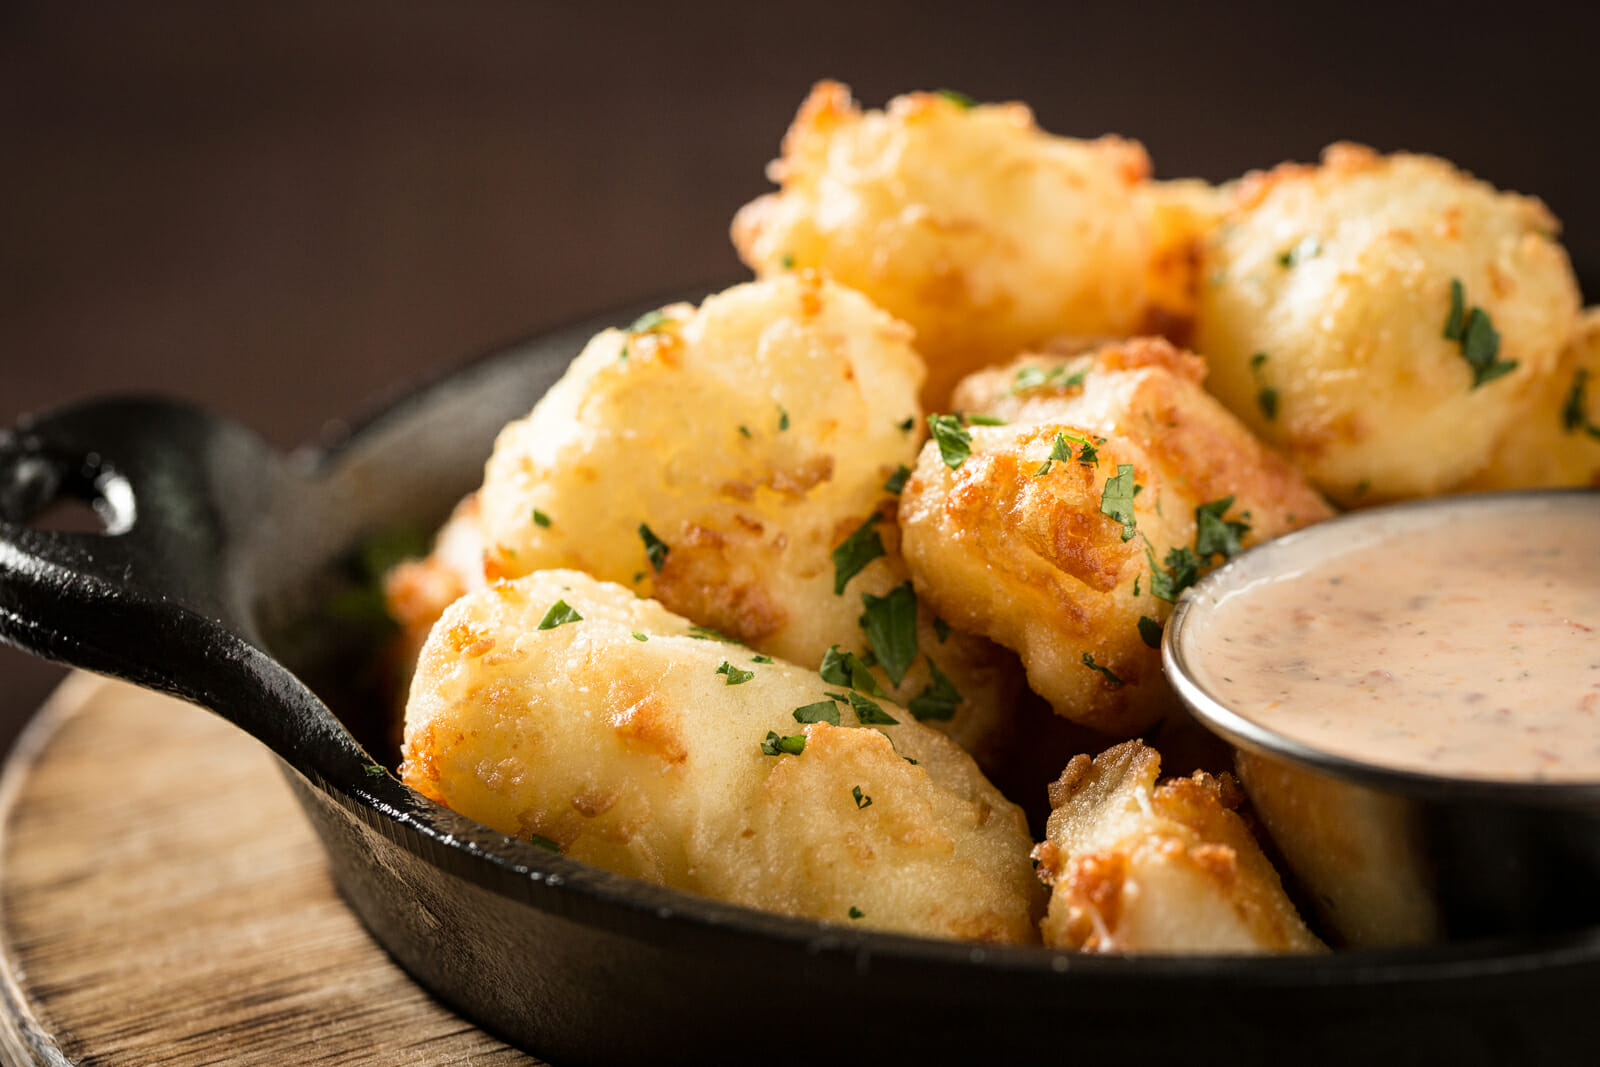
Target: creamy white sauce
1465, 645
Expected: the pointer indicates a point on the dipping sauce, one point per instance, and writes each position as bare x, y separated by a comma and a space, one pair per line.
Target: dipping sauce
1456, 640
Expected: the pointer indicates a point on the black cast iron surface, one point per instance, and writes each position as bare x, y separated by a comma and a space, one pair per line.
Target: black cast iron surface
211, 585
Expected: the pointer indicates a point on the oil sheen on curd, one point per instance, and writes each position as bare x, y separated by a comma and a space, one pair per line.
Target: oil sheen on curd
1463, 645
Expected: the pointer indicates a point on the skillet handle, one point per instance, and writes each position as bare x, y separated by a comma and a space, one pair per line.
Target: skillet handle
161, 597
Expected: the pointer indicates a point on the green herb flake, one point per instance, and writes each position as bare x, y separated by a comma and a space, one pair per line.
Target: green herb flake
1267, 401
540, 841
855, 552
1304, 249
907, 424
786, 261
734, 675
374, 770
869, 712
941, 629
1480, 341
822, 711
959, 99
857, 913
744, 431
1030, 378
1455, 318
1575, 412
938, 701
1150, 631
848, 669
783, 419
861, 799
654, 548
1116, 499
897, 480
558, 615
890, 622
955, 443
1182, 570
540, 518
775, 745
649, 322
1215, 536
637, 636
760, 659
706, 633
1112, 679
981, 419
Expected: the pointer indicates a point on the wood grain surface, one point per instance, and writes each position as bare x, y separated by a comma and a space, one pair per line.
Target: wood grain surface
162, 901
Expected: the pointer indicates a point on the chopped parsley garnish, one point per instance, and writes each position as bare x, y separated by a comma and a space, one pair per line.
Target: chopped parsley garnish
897, 480
868, 712
786, 261
822, 711
1214, 536
706, 633
1150, 631
783, 419
734, 675
907, 424
1479, 340
540, 518
1031, 377
559, 615
1575, 412
955, 443
981, 419
1304, 249
1116, 499
374, 770
890, 622
1061, 450
775, 745
744, 431
959, 99
939, 700
941, 629
760, 659
649, 322
1088, 661
655, 548
861, 799
848, 669
540, 841
1182, 570
855, 552
857, 913
1266, 395
637, 636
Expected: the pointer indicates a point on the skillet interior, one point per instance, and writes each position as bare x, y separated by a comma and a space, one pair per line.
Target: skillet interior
582, 965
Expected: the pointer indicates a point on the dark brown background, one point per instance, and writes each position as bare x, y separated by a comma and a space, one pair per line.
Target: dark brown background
286, 211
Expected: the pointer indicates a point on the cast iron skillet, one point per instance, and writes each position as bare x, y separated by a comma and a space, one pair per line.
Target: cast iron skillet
210, 583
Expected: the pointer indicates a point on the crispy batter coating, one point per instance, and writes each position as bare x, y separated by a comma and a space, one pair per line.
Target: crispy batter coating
1021, 550
417, 591
1357, 852
751, 439
1557, 442
1137, 867
1324, 313
968, 222
636, 747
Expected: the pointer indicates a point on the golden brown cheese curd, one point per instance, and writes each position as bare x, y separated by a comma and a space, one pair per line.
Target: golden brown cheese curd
1384, 320
967, 221
559, 706
1140, 867
730, 461
1018, 544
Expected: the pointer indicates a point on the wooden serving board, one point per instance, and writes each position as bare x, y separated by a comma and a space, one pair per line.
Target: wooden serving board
162, 901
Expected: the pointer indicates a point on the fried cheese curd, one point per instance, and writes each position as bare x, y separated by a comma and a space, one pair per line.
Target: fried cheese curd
560, 706
731, 463
967, 221
1069, 530
1383, 320
1139, 867
1557, 443
417, 591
